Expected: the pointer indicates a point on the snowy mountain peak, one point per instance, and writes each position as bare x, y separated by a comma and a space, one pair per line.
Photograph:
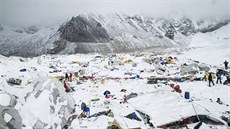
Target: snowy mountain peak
88, 33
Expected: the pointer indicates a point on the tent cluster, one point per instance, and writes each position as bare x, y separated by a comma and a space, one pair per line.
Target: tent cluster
119, 86
159, 70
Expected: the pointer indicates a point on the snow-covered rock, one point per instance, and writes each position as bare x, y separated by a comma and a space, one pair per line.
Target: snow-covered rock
46, 106
10, 118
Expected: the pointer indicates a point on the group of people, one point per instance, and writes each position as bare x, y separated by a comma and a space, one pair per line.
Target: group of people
218, 75
68, 78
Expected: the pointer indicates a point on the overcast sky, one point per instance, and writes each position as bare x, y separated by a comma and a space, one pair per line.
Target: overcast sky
51, 11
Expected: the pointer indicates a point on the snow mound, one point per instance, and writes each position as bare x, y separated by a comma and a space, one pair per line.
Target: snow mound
47, 105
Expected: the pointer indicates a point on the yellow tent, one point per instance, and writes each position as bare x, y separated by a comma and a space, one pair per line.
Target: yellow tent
170, 61
77, 62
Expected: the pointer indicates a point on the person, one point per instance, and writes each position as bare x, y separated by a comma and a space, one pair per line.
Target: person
76, 74
67, 88
70, 77
205, 76
86, 111
218, 75
219, 101
227, 81
226, 64
66, 76
65, 85
210, 80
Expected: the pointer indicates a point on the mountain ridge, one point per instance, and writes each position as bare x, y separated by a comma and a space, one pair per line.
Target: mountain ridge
90, 33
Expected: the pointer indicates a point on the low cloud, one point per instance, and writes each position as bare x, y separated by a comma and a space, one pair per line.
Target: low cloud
57, 11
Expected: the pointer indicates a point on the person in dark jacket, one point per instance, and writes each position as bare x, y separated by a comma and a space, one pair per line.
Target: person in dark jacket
227, 81
66, 76
226, 64
218, 75
210, 80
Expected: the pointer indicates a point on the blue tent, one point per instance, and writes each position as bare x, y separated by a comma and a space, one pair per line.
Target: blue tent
106, 92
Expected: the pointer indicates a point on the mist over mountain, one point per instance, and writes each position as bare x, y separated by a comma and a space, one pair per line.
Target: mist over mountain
89, 33
50, 12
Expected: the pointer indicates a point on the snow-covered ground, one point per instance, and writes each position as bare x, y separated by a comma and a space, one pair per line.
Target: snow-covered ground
42, 102
211, 48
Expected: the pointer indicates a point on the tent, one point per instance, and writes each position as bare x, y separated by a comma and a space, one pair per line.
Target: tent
189, 69
106, 92
170, 108
169, 61
133, 116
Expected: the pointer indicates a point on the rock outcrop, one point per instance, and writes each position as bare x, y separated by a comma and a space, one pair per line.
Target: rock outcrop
83, 29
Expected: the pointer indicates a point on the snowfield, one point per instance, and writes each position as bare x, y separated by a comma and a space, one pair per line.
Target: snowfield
40, 101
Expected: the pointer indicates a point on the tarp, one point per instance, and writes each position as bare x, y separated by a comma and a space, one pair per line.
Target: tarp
171, 107
133, 116
23, 70
14, 81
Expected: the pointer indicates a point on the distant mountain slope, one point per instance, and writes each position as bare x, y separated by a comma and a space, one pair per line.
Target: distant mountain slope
88, 33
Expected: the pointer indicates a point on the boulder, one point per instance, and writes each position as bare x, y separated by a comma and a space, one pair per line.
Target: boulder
9, 118
7, 100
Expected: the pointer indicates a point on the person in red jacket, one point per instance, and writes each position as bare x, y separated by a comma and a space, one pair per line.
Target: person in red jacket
67, 88
65, 85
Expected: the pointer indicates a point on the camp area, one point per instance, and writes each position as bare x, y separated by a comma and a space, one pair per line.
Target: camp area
117, 91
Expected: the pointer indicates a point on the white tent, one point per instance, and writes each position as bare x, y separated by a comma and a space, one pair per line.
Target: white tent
169, 108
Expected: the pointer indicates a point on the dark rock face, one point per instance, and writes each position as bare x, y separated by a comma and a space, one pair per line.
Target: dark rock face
58, 46
1, 27
169, 33
104, 34
31, 29
185, 26
169, 29
213, 27
82, 29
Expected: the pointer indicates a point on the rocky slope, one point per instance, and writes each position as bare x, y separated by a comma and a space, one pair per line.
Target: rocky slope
97, 33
